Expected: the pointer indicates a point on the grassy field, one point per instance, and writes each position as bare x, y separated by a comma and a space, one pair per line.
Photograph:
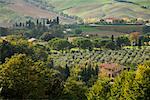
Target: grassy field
108, 30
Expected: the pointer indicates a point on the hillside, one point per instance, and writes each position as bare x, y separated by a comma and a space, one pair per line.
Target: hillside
103, 8
20, 10
16, 10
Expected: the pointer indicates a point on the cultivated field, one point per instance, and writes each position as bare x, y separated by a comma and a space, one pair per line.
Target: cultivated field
108, 30
124, 57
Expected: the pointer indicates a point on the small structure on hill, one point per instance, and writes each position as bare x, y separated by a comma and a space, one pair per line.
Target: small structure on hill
110, 70
32, 40
112, 20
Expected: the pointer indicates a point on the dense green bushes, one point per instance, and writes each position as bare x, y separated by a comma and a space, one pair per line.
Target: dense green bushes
34, 71
23, 78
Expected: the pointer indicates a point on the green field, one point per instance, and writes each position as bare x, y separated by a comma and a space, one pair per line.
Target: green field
108, 30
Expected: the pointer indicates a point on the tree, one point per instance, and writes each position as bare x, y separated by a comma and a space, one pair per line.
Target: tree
83, 43
112, 38
5, 50
142, 78
89, 75
21, 78
140, 43
67, 71
59, 44
100, 90
39, 52
104, 42
146, 29
97, 42
47, 36
74, 90
122, 41
78, 31
123, 87
3, 31
134, 37
132, 85
111, 45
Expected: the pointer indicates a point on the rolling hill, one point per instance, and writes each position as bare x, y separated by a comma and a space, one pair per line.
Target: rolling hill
20, 10
103, 8
14, 10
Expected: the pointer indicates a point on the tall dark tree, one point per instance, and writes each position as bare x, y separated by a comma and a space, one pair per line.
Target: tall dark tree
67, 71
139, 43
37, 22
112, 38
57, 20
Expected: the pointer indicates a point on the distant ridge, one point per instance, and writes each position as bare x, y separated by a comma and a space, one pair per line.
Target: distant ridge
14, 10
103, 8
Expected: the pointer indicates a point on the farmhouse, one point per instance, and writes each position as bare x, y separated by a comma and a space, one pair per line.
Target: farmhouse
111, 20
110, 70
32, 40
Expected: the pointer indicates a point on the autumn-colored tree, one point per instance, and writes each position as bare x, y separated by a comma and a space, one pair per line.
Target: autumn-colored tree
134, 37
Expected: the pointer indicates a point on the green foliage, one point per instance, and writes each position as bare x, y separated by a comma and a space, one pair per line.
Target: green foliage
89, 75
143, 79
13, 45
132, 85
111, 45
32, 71
97, 42
74, 90
46, 36
122, 41
100, 90
122, 88
78, 31
146, 29
3, 31
21, 78
83, 43
103, 42
59, 44
5, 50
